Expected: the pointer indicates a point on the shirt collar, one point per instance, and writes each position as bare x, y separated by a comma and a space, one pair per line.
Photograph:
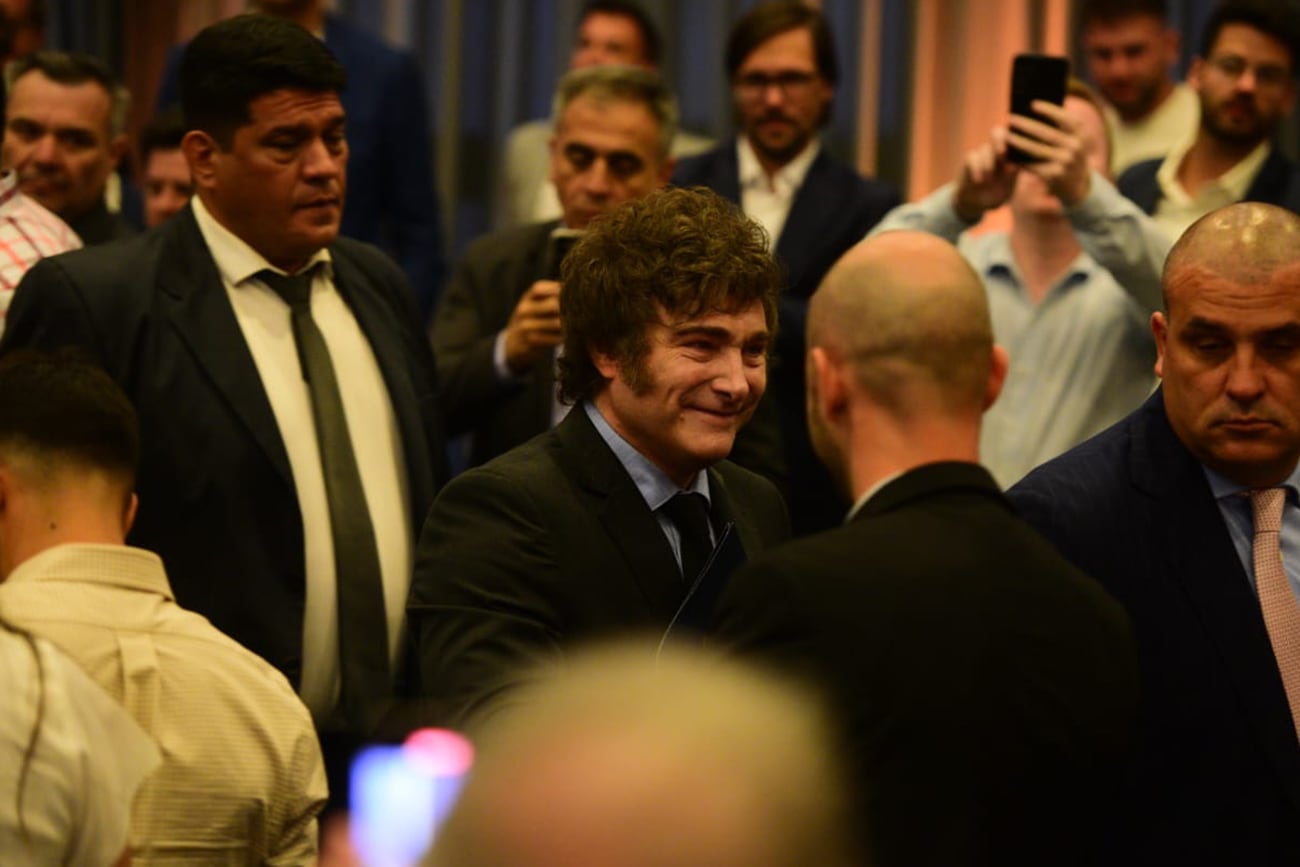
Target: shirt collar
1235, 181
1223, 487
1002, 261
236, 260
655, 486
110, 565
868, 494
789, 177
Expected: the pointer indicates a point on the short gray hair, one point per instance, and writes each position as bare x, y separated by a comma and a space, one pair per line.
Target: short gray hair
73, 68
631, 83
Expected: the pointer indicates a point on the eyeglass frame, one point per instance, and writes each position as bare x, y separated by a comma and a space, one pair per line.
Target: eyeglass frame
753, 86
1234, 66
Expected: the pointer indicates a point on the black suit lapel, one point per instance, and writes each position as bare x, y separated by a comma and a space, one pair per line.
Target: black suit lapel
622, 511
193, 298
1270, 182
805, 231
1205, 566
724, 173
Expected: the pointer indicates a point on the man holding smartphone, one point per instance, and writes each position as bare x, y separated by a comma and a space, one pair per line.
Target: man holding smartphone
498, 325
1071, 286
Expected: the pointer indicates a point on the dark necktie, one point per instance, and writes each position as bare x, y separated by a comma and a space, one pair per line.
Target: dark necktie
363, 628
689, 512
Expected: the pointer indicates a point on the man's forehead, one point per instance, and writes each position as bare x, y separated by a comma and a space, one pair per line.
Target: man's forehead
273, 106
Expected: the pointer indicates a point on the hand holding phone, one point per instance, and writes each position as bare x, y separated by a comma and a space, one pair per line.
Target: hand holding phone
1035, 77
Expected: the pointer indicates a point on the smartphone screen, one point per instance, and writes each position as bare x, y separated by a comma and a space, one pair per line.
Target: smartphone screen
1035, 76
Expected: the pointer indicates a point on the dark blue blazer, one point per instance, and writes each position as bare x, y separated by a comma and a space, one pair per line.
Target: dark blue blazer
391, 200
1278, 183
1216, 776
834, 208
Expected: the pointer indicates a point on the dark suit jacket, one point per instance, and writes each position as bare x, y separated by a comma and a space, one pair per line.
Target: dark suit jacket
1216, 779
391, 196
487, 284
548, 545
834, 208
985, 685
484, 289
217, 499
1277, 183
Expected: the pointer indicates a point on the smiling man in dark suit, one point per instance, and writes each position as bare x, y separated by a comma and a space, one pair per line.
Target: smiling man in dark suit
286, 394
985, 684
1186, 511
603, 525
781, 63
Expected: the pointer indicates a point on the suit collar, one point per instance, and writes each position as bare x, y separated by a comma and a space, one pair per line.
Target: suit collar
194, 300
622, 511
929, 479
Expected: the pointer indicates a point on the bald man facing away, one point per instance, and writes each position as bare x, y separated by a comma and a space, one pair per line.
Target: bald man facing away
986, 684
1164, 509
624, 759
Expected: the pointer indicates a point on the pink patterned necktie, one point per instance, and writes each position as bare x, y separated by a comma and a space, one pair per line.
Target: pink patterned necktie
1281, 611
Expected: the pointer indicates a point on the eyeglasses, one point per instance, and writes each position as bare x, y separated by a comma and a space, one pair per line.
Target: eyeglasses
753, 86
1234, 67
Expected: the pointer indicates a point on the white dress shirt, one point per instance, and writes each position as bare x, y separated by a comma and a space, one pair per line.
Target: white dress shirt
767, 200
263, 318
1176, 210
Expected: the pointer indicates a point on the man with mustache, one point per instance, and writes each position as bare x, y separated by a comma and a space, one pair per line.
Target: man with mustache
1245, 79
1186, 511
625, 518
64, 136
286, 393
780, 60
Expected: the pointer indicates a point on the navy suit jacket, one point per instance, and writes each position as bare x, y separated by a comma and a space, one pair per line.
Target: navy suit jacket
833, 209
1216, 776
1277, 183
217, 497
391, 199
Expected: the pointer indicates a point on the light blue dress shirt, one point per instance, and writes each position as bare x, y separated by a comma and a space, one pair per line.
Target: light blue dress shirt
1234, 505
652, 482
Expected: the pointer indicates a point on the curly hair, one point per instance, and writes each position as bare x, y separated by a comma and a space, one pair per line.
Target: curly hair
680, 252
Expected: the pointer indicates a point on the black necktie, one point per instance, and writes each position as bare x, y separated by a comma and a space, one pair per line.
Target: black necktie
363, 625
689, 512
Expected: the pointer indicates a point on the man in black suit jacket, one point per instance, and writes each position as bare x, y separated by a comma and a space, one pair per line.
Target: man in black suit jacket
1245, 80
781, 63
232, 486
668, 306
1155, 509
985, 685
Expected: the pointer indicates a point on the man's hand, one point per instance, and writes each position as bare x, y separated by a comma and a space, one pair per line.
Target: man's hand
534, 327
986, 178
1061, 149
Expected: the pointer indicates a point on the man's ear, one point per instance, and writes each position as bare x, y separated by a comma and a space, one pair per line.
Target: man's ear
201, 151
832, 394
666, 170
997, 375
1160, 328
117, 150
605, 363
128, 514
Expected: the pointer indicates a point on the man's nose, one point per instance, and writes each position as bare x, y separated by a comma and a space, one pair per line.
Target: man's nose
1245, 382
45, 150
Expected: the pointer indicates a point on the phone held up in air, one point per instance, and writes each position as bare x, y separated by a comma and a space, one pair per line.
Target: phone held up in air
1035, 76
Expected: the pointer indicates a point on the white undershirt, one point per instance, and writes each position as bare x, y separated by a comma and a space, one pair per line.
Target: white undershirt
263, 318
767, 200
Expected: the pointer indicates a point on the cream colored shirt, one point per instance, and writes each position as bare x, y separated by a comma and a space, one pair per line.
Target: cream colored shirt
242, 778
263, 318
1154, 136
1177, 210
767, 200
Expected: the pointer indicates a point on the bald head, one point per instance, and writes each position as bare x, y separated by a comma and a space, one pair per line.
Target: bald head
907, 312
1247, 243
629, 761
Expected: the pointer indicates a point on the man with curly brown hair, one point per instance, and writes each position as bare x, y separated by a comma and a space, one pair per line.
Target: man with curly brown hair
625, 518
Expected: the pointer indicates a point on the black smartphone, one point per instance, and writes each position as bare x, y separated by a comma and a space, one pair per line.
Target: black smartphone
1035, 76
562, 241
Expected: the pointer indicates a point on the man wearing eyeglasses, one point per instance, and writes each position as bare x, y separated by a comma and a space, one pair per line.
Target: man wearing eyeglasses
1245, 79
781, 62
